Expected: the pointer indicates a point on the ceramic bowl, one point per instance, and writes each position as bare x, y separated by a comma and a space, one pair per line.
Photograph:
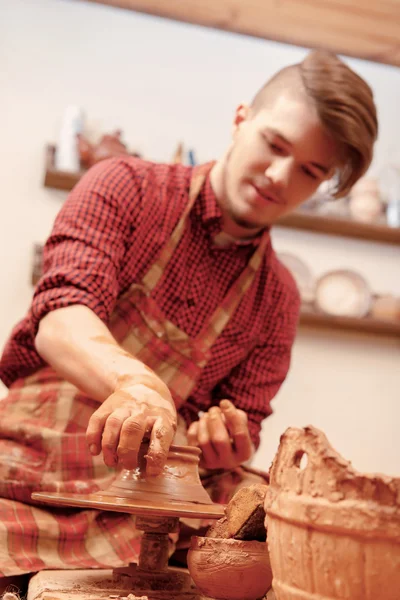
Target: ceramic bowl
227, 569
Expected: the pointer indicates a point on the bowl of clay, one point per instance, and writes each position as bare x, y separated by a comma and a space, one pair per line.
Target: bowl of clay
228, 569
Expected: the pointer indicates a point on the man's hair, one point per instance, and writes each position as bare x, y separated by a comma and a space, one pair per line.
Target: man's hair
345, 106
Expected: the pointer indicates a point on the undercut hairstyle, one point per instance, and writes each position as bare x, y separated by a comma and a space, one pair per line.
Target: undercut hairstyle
344, 103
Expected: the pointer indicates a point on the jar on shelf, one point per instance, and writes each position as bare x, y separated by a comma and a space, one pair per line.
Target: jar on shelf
390, 188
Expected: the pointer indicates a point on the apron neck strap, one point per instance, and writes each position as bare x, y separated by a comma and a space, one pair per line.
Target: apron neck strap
219, 320
154, 274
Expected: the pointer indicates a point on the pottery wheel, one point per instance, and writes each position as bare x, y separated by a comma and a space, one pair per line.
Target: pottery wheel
157, 502
177, 492
107, 501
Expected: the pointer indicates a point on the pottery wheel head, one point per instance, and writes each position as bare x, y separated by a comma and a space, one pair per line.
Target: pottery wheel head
176, 492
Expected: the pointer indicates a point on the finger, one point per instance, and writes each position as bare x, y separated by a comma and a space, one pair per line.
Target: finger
219, 436
234, 418
209, 455
237, 424
94, 431
111, 433
244, 416
160, 441
192, 434
130, 440
243, 446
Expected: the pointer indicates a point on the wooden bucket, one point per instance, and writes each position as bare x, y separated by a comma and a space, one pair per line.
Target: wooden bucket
333, 533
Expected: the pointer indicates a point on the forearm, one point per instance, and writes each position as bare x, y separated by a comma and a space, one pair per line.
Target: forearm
79, 346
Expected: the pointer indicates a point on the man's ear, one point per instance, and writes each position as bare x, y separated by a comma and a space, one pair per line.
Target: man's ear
241, 114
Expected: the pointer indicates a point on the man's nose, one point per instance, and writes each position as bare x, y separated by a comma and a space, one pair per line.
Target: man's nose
279, 171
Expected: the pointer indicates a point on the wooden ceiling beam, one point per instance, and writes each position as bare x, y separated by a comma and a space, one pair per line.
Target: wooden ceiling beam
357, 28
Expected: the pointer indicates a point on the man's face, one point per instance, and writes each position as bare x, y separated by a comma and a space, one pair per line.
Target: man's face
277, 160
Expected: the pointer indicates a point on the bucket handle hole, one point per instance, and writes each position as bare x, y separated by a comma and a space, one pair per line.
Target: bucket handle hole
300, 460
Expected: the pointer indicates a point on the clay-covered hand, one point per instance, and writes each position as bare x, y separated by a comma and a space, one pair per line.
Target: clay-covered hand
223, 436
132, 412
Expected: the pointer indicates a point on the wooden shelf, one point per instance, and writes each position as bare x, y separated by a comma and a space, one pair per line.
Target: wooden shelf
308, 318
342, 227
61, 180
365, 325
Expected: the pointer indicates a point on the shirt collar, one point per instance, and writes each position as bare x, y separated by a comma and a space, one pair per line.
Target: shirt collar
208, 211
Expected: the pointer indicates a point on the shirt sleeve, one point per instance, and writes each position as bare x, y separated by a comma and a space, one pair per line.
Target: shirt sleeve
252, 385
83, 255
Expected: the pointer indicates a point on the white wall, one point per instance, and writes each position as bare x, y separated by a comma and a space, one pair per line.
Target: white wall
162, 82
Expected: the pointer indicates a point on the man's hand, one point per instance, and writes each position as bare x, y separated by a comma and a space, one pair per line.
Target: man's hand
223, 436
118, 426
134, 401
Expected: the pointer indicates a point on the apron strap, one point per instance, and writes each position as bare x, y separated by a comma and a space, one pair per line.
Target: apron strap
215, 326
154, 274
226, 309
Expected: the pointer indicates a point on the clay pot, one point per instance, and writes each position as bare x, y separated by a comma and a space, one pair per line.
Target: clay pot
85, 151
227, 569
365, 203
109, 146
386, 308
333, 533
179, 481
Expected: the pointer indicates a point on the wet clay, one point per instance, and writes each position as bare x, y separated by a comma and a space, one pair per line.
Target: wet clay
177, 491
244, 516
122, 379
179, 481
333, 533
103, 339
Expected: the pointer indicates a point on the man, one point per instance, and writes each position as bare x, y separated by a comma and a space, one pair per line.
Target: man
162, 300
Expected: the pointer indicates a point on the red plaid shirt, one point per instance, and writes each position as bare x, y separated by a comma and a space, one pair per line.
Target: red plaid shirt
107, 234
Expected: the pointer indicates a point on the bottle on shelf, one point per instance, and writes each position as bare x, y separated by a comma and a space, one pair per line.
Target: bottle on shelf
67, 153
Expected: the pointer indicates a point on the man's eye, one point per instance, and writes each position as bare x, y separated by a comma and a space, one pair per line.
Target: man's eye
276, 148
309, 173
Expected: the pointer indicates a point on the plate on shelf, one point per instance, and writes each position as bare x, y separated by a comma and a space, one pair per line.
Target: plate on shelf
343, 293
303, 276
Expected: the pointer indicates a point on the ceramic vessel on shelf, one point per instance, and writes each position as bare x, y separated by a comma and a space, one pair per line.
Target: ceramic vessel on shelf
110, 145
365, 203
343, 293
390, 186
